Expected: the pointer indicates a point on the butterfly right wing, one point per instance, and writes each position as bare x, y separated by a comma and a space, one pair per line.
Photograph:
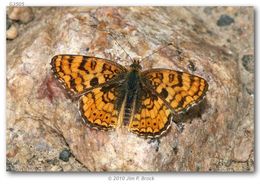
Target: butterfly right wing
100, 107
79, 74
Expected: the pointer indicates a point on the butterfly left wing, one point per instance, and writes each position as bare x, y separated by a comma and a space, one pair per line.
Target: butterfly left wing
179, 90
151, 118
79, 74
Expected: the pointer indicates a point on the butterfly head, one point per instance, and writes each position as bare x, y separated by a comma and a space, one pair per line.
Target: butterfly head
136, 65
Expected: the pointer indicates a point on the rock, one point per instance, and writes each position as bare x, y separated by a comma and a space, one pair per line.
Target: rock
8, 23
9, 166
208, 10
241, 153
225, 20
66, 168
56, 168
12, 152
248, 62
52, 161
23, 14
65, 155
213, 134
12, 32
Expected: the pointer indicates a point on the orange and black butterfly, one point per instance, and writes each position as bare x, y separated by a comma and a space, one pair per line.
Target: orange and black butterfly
112, 96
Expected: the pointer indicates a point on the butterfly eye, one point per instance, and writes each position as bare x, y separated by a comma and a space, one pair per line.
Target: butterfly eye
136, 65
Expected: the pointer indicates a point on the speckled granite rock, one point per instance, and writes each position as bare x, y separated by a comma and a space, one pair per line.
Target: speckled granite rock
218, 134
23, 14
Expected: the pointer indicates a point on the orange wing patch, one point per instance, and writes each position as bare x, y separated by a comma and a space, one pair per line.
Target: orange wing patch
98, 108
152, 118
79, 73
180, 90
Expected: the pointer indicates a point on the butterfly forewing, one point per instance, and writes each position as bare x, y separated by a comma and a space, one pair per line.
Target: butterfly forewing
179, 90
79, 74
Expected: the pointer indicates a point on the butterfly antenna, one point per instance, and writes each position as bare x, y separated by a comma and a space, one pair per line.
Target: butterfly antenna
155, 51
110, 34
120, 46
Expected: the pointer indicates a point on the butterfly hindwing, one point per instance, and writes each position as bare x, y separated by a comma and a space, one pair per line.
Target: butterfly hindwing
179, 90
79, 73
151, 117
100, 107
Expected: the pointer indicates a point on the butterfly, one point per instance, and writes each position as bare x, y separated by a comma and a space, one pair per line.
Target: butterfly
112, 96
